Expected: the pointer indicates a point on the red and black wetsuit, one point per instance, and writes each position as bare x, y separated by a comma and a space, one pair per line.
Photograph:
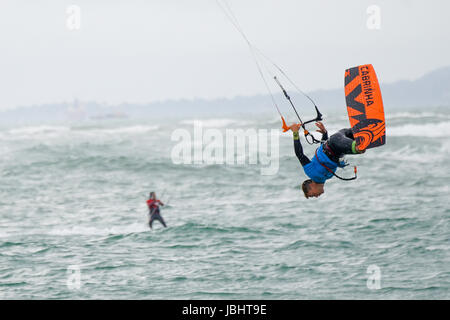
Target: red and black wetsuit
153, 206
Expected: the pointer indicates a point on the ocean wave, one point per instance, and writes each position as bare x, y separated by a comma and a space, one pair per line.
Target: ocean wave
215, 123
213, 229
416, 115
33, 130
429, 130
405, 115
413, 154
316, 244
122, 130
54, 131
114, 230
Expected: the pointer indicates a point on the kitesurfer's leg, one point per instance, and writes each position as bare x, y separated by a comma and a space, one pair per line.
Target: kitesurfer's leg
162, 221
154, 212
348, 133
343, 142
151, 221
158, 217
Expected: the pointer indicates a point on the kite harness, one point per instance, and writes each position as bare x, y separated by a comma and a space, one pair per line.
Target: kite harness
355, 169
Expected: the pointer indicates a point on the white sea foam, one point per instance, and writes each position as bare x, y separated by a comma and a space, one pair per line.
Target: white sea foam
404, 115
45, 132
430, 130
215, 123
416, 115
124, 130
36, 130
113, 230
407, 154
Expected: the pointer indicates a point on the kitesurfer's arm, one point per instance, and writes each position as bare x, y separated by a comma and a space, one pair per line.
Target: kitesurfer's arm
298, 146
158, 202
322, 130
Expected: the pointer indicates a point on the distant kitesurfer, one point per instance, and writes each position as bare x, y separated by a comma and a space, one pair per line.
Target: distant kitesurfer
327, 157
153, 207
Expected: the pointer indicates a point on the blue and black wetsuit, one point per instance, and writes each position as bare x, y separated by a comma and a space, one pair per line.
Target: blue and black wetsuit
327, 154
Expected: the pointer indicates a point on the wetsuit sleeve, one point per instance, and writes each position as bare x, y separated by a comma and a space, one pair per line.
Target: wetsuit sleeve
325, 136
299, 150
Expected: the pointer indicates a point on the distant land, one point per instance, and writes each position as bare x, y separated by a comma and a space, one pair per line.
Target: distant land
430, 90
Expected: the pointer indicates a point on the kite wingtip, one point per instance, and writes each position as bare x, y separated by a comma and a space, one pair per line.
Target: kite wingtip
285, 126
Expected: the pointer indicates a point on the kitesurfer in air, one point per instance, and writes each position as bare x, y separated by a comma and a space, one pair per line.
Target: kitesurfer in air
327, 157
153, 207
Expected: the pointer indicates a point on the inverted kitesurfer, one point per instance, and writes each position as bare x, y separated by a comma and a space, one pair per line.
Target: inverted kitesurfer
364, 107
327, 157
153, 207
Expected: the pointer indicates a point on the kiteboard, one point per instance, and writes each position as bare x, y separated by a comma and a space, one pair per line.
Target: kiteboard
365, 106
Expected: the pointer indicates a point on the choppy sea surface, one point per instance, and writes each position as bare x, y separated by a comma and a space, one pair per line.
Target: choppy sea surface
74, 223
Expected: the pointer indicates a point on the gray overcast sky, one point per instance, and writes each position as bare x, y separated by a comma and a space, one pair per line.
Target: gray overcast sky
142, 51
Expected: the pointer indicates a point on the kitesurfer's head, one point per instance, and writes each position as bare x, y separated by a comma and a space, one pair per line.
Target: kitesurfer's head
152, 195
312, 189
